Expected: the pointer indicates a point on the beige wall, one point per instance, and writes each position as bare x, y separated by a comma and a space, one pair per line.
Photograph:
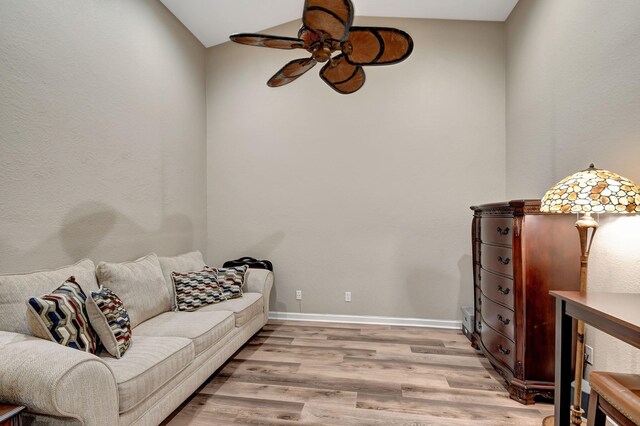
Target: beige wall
102, 147
369, 192
573, 97
103, 154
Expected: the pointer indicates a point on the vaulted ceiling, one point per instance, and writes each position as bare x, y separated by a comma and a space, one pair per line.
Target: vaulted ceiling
212, 21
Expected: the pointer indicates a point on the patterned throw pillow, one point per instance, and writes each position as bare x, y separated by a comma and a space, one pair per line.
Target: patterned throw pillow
110, 320
230, 280
61, 316
196, 289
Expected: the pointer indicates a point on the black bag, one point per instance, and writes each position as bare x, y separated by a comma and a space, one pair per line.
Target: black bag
250, 262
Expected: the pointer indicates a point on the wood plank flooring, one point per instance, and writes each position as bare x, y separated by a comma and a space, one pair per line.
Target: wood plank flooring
310, 373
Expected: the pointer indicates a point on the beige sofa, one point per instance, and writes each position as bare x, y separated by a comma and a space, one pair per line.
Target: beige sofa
170, 356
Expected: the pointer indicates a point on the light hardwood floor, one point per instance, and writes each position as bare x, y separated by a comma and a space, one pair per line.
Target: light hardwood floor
310, 373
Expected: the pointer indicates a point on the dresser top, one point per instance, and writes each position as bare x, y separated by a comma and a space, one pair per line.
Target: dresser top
9, 411
516, 207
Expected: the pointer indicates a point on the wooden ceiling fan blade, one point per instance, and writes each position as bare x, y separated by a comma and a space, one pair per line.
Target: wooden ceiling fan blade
291, 72
263, 40
328, 18
342, 76
378, 46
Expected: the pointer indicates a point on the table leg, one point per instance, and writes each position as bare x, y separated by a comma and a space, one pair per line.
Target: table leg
564, 336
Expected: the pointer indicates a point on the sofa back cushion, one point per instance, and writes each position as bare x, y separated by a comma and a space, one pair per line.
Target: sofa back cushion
187, 262
16, 289
139, 284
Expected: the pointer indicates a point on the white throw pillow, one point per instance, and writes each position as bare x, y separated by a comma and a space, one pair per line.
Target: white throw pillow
139, 284
187, 262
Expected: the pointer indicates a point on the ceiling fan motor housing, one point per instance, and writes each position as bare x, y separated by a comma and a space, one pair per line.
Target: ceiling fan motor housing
321, 52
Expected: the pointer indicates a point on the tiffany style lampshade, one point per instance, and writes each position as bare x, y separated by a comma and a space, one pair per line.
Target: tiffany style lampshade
586, 192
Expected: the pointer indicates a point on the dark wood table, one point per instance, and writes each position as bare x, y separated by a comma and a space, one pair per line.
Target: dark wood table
617, 314
10, 414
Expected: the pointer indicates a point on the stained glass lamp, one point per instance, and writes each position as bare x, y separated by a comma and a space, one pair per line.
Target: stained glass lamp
586, 192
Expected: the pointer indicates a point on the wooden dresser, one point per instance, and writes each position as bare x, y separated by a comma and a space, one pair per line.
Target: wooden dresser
10, 415
519, 255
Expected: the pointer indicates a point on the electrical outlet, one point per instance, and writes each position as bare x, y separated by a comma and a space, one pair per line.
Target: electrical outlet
588, 354
298, 294
347, 296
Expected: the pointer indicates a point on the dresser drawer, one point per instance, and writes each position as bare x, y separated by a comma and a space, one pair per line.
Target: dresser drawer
497, 230
499, 346
497, 259
497, 288
498, 317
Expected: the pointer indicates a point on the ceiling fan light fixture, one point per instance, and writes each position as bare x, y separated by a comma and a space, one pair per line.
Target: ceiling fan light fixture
326, 29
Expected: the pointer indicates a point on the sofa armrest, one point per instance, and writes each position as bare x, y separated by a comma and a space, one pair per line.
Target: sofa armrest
54, 380
260, 281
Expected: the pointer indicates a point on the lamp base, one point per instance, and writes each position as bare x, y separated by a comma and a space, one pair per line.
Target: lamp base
584, 398
548, 421
576, 415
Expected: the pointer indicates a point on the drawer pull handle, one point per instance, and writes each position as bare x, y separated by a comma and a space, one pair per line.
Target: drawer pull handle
504, 231
503, 320
503, 350
504, 261
504, 291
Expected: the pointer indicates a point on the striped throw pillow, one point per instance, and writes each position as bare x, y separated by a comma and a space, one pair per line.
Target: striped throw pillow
230, 280
196, 289
110, 320
61, 316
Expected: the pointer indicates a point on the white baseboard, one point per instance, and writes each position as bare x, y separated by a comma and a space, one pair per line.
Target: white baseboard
357, 319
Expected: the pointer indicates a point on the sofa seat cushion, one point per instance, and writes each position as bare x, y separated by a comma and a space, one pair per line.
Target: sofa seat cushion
148, 364
243, 308
205, 329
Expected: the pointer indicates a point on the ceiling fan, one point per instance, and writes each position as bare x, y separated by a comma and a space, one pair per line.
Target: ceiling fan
326, 28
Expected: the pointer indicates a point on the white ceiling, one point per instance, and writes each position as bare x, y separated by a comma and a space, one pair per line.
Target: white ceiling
212, 21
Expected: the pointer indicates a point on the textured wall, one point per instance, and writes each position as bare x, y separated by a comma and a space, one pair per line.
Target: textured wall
369, 192
573, 97
102, 147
